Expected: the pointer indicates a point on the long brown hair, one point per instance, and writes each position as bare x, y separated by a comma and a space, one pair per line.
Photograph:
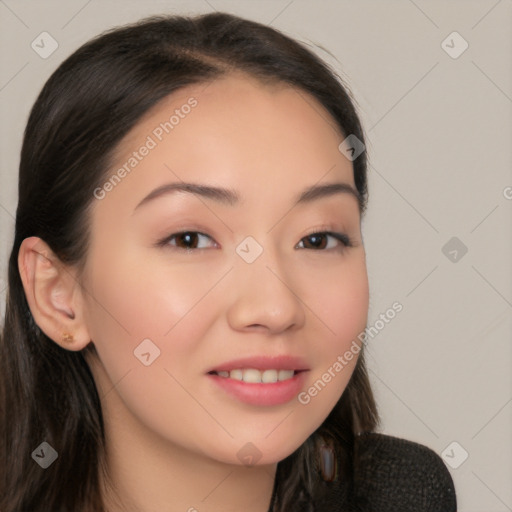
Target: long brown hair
83, 112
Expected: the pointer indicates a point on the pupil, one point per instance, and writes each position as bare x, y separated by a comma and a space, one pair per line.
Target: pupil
317, 240
186, 238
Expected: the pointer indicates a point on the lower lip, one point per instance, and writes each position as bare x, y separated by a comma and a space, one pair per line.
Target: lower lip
275, 393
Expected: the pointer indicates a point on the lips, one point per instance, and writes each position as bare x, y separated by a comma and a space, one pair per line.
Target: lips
261, 394
261, 380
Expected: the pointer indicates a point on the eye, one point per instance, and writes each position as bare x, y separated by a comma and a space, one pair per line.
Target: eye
186, 240
320, 241
191, 240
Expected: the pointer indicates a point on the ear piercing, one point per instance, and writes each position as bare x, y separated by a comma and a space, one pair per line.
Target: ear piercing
67, 338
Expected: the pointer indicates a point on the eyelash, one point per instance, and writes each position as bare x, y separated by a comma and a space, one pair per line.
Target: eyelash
344, 239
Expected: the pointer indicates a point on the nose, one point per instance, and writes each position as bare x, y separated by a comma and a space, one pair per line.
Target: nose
263, 298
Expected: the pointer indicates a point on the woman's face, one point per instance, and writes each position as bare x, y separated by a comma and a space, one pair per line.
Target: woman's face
246, 280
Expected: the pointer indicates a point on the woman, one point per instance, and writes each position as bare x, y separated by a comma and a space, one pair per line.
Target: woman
188, 286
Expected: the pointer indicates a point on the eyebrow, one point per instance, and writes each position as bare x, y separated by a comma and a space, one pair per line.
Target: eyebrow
231, 197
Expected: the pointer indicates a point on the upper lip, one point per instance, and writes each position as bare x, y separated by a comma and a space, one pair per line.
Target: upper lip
282, 362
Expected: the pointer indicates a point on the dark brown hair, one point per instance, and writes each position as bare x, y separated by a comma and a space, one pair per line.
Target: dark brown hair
94, 98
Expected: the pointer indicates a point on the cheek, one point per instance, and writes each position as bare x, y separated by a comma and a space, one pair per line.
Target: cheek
132, 301
341, 308
339, 300
140, 300
346, 310
174, 310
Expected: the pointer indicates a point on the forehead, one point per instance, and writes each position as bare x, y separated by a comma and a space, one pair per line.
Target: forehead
235, 131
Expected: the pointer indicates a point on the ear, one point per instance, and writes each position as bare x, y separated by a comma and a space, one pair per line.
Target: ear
53, 294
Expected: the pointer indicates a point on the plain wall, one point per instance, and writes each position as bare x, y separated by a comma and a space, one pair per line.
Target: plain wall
439, 140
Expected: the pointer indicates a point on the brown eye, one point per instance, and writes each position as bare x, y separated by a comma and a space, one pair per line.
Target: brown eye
319, 241
185, 240
316, 241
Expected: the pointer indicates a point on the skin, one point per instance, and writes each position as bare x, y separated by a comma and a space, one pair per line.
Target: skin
172, 436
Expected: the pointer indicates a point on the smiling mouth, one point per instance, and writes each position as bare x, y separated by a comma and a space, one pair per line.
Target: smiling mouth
254, 376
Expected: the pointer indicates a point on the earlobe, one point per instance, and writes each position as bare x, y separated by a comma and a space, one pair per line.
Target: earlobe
53, 294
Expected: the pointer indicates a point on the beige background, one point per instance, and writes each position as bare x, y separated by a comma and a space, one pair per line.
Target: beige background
440, 132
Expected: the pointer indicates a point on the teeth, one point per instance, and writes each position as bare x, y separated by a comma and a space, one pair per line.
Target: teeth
270, 376
253, 376
236, 374
256, 376
285, 374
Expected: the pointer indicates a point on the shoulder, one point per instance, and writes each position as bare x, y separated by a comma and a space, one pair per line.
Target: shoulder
393, 474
